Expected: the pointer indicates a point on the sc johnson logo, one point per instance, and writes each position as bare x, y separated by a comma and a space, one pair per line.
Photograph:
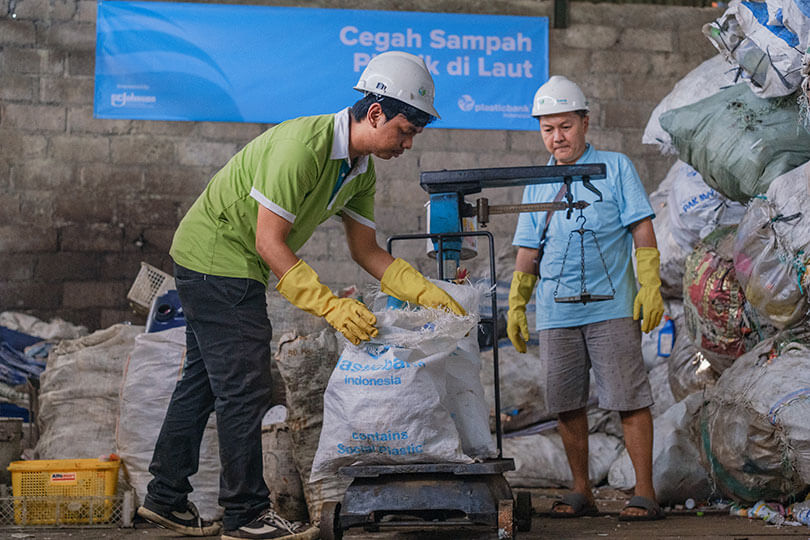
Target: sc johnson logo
130, 98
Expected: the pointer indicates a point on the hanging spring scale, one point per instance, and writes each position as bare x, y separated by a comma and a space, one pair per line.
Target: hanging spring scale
584, 296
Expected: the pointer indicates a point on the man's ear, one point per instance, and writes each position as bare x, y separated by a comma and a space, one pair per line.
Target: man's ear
375, 115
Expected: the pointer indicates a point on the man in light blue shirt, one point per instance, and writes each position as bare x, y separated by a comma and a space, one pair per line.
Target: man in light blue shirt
604, 335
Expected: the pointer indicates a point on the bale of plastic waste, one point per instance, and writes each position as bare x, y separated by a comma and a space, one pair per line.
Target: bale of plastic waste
761, 38
150, 375
739, 142
677, 471
772, 250
705, 80
717, 318
753, 430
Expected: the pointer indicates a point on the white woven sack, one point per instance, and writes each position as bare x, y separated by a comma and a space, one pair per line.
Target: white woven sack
695, 209
540, 459
151, 373
677, 472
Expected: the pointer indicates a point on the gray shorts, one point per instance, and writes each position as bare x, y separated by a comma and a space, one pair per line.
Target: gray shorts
612, 348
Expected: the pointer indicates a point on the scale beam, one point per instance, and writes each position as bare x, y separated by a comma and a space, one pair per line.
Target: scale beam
467, 181
483, 209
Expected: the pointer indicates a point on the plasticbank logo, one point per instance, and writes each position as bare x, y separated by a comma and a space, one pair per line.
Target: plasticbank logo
466, 103
123, 99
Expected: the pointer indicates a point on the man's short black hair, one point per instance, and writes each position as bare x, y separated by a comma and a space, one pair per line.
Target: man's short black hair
390, 108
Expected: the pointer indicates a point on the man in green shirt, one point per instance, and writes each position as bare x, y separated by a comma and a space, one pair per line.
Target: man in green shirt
250, 220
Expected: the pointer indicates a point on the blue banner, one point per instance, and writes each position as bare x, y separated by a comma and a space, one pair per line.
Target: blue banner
182, 61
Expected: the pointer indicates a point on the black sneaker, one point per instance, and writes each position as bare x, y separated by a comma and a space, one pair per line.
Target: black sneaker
188, 522
271, 525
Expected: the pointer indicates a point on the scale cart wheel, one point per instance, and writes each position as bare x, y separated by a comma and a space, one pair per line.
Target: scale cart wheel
330, 521
506, 519
523, 511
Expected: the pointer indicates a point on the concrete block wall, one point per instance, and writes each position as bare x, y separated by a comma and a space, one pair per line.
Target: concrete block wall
84, 200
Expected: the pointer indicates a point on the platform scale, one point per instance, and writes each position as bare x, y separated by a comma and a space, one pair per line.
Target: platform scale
431, 496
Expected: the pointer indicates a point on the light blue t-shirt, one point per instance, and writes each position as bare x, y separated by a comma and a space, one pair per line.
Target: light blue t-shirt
624, 203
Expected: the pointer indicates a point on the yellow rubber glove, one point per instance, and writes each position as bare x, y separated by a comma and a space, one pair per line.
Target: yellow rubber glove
301, 286
648, 300
402, 281
520, 293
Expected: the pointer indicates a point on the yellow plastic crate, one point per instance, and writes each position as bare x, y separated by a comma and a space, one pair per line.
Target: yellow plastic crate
63, 491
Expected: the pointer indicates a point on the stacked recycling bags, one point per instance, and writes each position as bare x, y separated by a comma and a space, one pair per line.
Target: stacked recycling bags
739, 126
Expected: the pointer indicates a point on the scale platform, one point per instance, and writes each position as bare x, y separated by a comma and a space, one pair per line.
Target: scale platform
428, 496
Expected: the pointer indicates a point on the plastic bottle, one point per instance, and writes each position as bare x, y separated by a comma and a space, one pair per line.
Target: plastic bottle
394, 303
689, 503
802, 516
666, 338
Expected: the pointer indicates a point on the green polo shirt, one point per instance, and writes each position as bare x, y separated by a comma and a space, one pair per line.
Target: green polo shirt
291, 169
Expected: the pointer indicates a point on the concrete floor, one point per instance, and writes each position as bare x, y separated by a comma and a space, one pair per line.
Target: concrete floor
714, 524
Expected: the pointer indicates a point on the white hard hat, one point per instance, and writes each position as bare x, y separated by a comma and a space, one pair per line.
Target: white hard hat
402, 76
558, 95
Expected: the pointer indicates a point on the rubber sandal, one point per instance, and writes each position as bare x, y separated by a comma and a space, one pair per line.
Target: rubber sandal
578, 503
654, 511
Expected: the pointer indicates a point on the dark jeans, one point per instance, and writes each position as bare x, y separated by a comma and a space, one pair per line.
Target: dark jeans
226, 370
